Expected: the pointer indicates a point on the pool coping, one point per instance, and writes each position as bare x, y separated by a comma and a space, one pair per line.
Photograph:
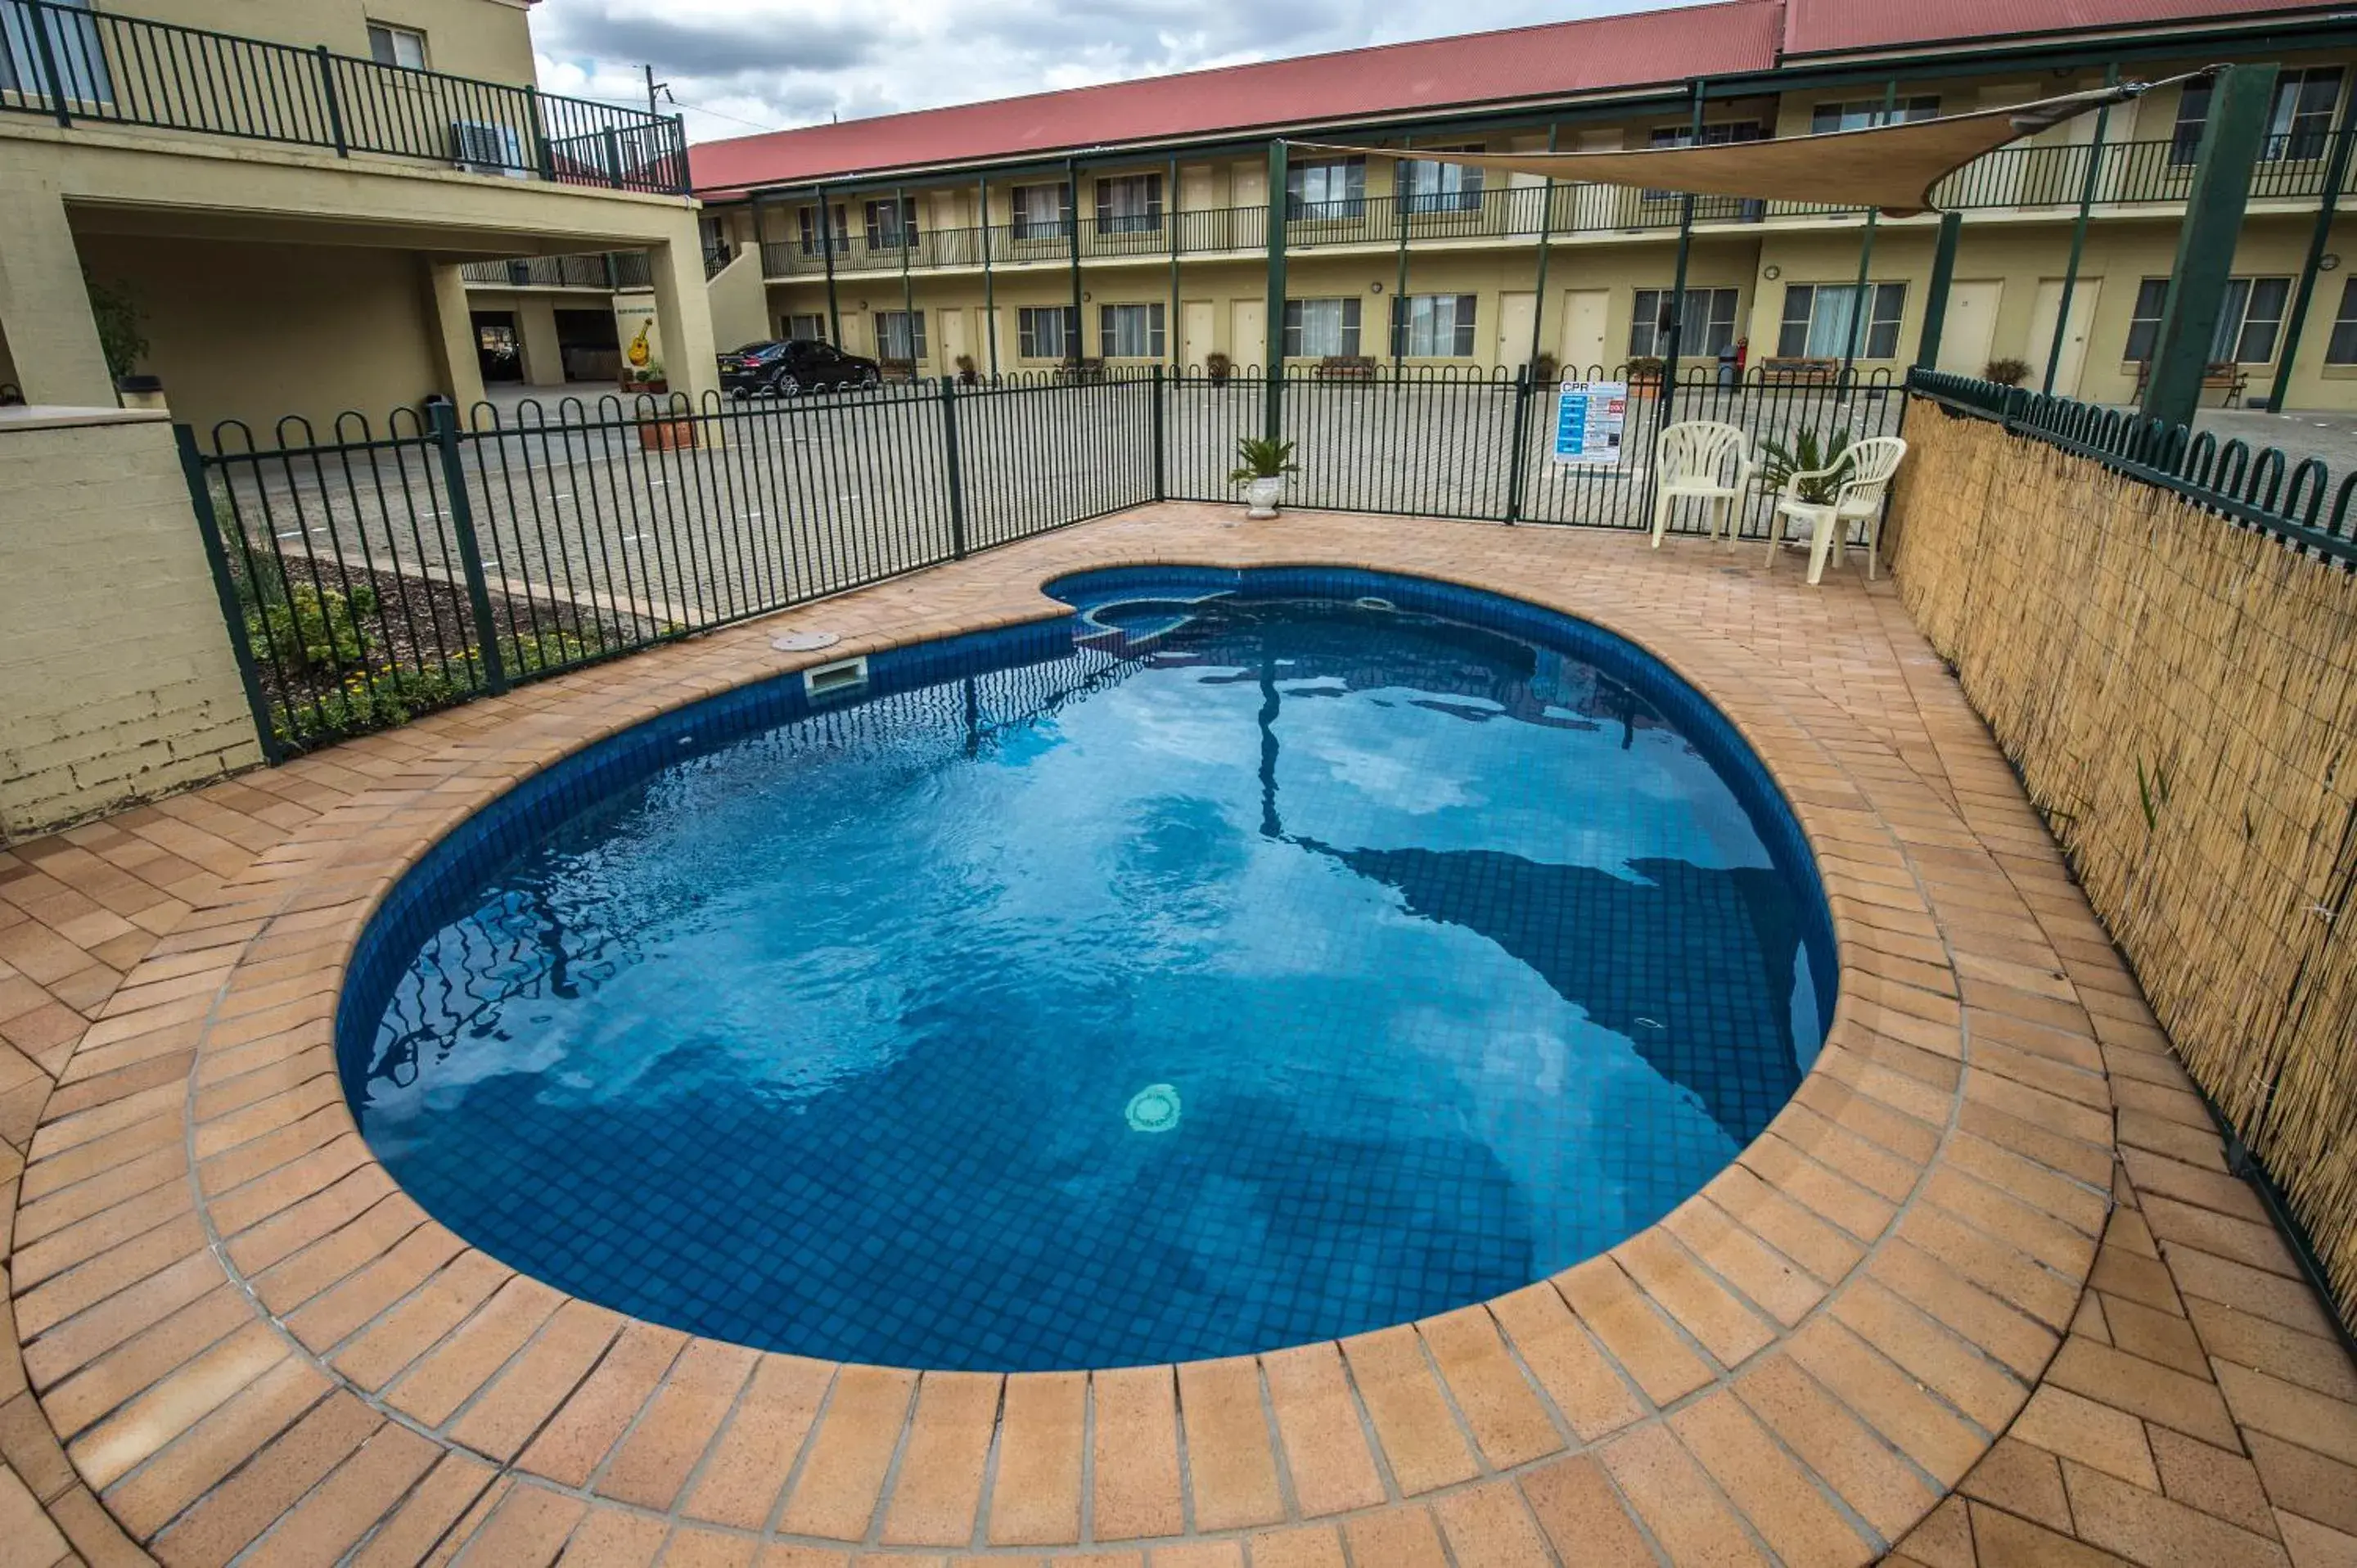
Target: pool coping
1954, 1084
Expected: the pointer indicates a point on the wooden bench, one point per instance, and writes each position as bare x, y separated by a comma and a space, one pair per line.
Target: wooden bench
2219, 376
1800, 369
1346, 367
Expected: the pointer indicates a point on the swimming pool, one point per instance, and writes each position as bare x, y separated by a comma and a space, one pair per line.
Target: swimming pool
1245, 960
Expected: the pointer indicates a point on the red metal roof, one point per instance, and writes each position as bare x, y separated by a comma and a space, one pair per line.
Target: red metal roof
1818, 26
1604, 52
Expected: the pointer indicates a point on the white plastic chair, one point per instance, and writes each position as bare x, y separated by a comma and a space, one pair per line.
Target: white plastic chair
1691, 461
1868, 466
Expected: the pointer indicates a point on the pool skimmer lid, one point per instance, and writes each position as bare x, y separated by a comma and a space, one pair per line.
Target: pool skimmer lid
1154, 1109
804, 641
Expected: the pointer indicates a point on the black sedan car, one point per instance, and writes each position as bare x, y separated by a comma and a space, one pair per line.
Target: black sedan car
788, 367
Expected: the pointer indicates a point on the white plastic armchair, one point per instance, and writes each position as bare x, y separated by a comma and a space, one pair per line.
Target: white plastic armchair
1696, 460
1865, 468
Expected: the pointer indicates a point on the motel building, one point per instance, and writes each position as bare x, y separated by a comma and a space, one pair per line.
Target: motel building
307, 208
1128, 223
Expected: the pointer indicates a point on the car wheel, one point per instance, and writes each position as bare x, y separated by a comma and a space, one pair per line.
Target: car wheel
871, 377
739, 393
785, 385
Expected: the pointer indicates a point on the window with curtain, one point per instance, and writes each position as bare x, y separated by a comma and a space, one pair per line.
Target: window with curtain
807, 219
1330, 189
900, 335
1041, 211
2250, 319
2342, 348
1821, 321
1707, 323
1321, 328
1130, 331
1048, 332
403, 47
1866, 113
1428, 186
810, 326
1432, 326
892, 225
1131, 204
2299, 121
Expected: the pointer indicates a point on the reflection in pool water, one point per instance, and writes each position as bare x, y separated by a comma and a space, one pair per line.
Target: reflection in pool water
1260, 970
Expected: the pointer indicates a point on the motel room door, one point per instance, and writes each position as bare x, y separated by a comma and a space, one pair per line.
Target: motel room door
1584, 310
1516, 315
1196, 322
1970, 332
953, 340
2042, 312
1248, 347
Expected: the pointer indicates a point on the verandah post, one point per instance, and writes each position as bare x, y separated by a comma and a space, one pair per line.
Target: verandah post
1860, 310
826, 249
1546, 237
1667, 402
1273, 311
1935, 296
2335, 169
470, 551
2079, 237
2214, 203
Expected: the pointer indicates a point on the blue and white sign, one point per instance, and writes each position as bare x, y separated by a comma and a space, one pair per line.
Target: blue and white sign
1589, 419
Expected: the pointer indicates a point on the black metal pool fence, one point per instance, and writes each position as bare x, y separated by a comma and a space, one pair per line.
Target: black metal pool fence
380, 569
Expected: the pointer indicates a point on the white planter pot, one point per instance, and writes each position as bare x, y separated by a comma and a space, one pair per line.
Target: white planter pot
1260, 497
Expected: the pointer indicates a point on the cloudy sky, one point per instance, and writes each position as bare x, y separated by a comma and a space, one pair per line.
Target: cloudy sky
741, 65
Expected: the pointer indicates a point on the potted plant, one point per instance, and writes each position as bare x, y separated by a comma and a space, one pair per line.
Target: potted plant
1807, 454
965, 371
2006, 372
1219, 368
117, 315
1544, 370
1645, 375
660, 428
1262, 463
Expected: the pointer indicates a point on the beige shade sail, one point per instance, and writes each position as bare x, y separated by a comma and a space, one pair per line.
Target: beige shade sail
1893, 167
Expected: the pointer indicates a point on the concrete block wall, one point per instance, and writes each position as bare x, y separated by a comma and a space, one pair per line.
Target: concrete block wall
116, 679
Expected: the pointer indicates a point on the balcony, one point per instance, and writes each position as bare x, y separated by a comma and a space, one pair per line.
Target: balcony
2014, 179
74, 67
603, 270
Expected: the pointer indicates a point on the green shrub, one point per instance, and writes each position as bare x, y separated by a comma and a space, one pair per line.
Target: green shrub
307, 628
1778, 464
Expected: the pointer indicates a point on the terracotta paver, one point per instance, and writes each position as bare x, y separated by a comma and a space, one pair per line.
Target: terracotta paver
1991, 1253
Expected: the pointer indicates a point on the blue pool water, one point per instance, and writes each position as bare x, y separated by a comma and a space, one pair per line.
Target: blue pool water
1244, 960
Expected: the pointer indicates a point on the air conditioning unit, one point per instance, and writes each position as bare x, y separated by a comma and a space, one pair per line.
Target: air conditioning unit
486, 147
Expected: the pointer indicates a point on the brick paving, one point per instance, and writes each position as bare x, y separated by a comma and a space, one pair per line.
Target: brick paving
1985, 1294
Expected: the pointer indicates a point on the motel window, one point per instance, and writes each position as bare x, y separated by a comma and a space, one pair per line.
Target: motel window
892, 225
2342, 348
2250, 319
1432, 326
403, 47
1049, 333
1707, 323
2299, 122
810, 326
1428, 186
1131, 204
1041, 211
900, 335
1327, 189
1821, 321
1130, 331
1866, 112
1321, 328
807, 218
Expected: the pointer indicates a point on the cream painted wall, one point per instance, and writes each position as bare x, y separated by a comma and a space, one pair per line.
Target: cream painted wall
491, 39
116, 679
254, 331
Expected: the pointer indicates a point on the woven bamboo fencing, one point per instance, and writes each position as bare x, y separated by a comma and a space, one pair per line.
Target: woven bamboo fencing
2179, 694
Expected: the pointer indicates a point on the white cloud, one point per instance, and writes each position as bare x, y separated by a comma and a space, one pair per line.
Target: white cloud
736, 65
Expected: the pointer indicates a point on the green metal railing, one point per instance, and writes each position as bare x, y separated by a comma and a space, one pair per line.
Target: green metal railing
75, 66
389, 568
2028, 177
2262, 488
591, 271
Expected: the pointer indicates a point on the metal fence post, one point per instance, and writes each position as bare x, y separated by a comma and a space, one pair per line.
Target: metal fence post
240, 644
1515, 461
957, 476
45, 51
1161, 471
470, 552
613, 158
335, 105
542, 159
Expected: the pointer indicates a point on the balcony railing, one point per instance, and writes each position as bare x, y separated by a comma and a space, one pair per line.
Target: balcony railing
595, 271
74, 66
2127, 173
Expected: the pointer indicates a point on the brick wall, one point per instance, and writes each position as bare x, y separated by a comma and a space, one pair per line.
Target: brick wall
116, 679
